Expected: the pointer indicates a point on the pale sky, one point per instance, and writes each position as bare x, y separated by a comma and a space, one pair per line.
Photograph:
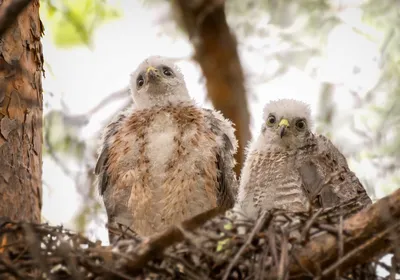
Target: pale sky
84, 77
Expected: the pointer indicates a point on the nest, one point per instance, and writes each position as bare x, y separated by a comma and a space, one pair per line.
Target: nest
267, 248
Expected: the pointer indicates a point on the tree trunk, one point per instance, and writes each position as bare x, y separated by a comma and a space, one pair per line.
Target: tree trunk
21, 109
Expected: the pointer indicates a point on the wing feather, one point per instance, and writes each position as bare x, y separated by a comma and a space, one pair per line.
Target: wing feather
227, 181
327, 176
103, 159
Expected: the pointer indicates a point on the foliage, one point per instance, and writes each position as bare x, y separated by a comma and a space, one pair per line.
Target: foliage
73, 22
61, 138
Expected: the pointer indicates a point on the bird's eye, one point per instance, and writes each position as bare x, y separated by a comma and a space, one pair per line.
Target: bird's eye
271, 120
167, 71
301, 124
139, 81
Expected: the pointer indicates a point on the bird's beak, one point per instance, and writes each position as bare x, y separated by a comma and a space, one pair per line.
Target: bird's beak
151, 73
283, 125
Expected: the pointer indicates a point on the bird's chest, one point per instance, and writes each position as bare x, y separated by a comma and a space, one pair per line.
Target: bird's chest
161, 141
275, 166
171, 143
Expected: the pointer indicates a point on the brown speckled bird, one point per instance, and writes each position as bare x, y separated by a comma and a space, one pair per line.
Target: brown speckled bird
166, 160
288, 167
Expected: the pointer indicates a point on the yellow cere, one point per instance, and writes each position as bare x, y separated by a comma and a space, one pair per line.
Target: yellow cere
284, 122
150, 68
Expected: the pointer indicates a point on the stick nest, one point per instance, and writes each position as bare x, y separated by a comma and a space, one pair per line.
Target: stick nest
219, 249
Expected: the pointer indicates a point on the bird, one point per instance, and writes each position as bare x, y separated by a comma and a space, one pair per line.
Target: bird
289, 167
166, 160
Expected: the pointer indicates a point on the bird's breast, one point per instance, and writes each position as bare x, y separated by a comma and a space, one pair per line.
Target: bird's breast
176, 156
161, 137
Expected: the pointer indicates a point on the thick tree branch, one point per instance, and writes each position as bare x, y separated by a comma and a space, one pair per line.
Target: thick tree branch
370, 234
216, 52
156, 245
9, 13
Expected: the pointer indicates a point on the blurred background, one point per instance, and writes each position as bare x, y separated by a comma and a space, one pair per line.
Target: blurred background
342, 57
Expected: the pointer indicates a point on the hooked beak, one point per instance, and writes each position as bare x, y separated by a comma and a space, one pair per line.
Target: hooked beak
283, 125
152, 73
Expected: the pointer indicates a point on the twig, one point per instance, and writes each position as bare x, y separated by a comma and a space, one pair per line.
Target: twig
306, 230
156, 245
256, 228
322, 250
393, 268
340, 241
358, 250
34, 248
192, 239
12, 269
282, 269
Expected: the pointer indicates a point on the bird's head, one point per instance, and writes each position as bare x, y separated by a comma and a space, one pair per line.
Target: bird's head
158, 81
287, 123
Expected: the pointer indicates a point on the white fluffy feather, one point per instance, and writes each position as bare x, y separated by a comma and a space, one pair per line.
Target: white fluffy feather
174, 92
289, 108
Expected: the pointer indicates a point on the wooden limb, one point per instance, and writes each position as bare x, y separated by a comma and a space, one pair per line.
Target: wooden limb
216, 52
9, 13
260, 222
370, 235
157, 244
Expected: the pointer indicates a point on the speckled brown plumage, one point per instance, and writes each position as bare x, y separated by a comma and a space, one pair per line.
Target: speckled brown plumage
288, 167
166, 161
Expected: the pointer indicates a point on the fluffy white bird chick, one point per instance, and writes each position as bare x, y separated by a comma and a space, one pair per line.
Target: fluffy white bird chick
287, 166
158, 82
167, 160
287, 125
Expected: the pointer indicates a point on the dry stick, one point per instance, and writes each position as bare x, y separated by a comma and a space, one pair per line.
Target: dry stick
328, 228
282, 271
11, 268
263, 261
157, 244
340, 237
306, 230
190, 237
272, 244
256, 228
393, 268
357, 250
189, 271
34, 248
322, 250
9, 13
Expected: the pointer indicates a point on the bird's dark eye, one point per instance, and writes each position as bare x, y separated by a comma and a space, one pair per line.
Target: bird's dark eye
301, 124
167, 71
139, 81
271, 120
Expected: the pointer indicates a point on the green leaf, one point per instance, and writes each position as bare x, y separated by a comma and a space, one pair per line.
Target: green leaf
73, 22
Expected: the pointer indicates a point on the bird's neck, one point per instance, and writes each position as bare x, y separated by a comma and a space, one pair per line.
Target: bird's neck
264, 144
177, 98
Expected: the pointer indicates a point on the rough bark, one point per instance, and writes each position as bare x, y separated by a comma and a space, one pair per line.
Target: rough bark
216, 52
370, 233
9, 13
21, 105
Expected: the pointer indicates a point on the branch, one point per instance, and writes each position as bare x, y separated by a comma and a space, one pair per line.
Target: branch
157, 244
10, 12
216, 52
370, 234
